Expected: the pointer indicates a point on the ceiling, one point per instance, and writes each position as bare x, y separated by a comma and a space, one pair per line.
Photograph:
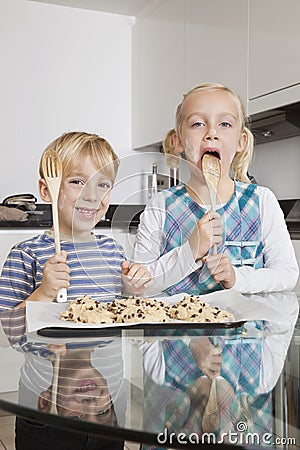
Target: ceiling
125, 7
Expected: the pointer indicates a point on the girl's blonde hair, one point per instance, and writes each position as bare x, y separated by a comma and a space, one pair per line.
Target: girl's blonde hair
241, 160
73, 146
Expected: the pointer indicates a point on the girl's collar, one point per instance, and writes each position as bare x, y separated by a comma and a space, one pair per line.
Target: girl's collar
204, 206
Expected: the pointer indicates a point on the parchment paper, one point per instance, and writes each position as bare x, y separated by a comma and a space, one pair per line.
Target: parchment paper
274, 308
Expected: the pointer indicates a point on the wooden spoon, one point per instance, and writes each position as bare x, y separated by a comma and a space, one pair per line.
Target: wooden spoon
53, 409
211, 414
52, 169
211, 168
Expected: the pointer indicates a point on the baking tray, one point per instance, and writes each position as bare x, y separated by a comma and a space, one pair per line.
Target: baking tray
44, 318
115, 329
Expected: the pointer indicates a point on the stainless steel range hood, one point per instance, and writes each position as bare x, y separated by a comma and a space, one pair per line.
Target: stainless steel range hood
276, 124
266, 126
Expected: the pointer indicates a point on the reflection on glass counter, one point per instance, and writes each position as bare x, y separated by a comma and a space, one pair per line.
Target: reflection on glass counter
163, 387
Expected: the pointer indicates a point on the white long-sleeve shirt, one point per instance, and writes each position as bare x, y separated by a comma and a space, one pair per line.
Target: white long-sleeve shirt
280, 271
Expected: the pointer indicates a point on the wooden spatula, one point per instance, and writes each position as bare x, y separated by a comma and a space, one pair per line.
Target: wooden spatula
211, 414
53, 409
211, 168
52, 170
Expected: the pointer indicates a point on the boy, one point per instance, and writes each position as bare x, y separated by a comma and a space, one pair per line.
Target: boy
90, 388
89, 264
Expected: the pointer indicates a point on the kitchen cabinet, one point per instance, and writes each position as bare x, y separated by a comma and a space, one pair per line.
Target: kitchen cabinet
216, 44
157, 70
9, 374
274, 64
296, 245
9, 378
178, 44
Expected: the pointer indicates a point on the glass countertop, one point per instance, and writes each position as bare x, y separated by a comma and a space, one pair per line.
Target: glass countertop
161, 386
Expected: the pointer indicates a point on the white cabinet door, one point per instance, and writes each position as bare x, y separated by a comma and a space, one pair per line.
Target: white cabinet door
274, 61
296, 244
157, 71
177, 45
216, 44
10, 237
10, 371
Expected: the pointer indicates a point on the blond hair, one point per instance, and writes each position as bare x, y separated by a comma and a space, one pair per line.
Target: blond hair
73, 146
241, 160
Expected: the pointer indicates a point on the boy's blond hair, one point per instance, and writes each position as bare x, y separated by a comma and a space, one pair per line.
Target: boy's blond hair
241, 160
73, 146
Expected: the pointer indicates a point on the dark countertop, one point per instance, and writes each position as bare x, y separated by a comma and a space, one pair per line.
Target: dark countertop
117, 216
127, 217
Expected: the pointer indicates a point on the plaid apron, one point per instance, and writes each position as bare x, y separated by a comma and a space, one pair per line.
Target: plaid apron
176, 405
241, 237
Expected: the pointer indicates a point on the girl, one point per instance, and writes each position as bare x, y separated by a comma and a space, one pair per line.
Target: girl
89, 264
177, 230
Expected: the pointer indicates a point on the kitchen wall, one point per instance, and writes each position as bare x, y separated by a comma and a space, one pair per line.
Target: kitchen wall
67, 68
62, 69
276, 165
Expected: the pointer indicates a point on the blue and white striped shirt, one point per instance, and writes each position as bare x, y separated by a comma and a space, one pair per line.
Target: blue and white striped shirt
95, 268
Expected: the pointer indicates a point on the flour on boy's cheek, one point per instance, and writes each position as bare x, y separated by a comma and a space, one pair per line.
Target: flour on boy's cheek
62, 200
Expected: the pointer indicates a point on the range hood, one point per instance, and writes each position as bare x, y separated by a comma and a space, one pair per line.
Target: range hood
266, 126
280, 123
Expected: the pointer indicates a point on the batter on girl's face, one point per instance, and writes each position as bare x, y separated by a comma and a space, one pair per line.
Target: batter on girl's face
210, 123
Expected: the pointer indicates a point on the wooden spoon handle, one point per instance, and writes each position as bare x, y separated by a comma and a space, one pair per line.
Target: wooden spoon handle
53, 409
211, 413
213, 197
56, 226
213, 201
61, 296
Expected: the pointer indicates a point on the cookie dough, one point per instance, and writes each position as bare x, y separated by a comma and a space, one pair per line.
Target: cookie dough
87, 310
192, 309
127, 310
142, 309
139, 309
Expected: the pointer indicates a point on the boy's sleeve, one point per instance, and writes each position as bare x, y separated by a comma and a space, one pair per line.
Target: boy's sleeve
17, 280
